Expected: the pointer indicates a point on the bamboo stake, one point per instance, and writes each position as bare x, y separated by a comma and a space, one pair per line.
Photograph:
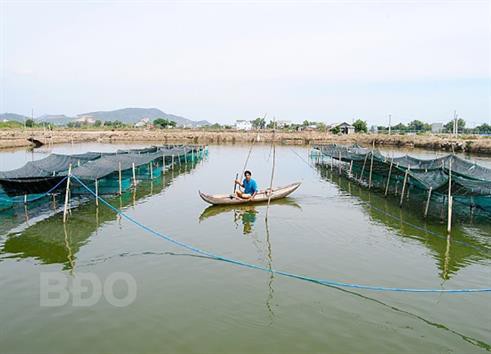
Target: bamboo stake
363, 168
172, 162
388, 178
67, 193
272, 169
370, 176
404, 186
428, 202
96, 192
134, 174
339, 163
163, 163
120, 179
150, 165
450, 198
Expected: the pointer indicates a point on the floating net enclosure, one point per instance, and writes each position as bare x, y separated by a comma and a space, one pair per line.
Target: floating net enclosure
468, 183
114, 172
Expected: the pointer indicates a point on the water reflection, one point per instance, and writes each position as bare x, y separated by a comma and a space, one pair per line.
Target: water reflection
248, 215
51, 241
468, 243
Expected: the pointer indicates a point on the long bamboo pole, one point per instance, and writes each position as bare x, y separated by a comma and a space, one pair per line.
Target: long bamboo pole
363, 168
272, 168
120, 178
450, 198
404, 186
339, 163
388, 177
67, 193
96, 192
428, 201
370, 176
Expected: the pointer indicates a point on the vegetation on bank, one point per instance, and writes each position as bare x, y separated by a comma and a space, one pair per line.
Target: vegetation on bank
359, 125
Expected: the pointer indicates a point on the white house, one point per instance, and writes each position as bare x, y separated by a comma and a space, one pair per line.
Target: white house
243, 125
283, 123
344, 128
436, 128
142, 123
85, 120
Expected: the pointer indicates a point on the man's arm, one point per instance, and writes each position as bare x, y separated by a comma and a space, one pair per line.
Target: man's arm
239, 183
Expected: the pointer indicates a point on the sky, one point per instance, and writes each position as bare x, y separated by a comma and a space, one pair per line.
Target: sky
327, 61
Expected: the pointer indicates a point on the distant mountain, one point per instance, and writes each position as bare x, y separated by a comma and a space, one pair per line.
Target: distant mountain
125, 115
133, 115
57, 119
13, 116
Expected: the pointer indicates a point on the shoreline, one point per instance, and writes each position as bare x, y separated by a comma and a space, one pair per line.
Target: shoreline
18, 138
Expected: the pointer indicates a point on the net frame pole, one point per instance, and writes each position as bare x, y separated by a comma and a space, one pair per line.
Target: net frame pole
351, 169
404, 186
339, 163
450, 198
428, 201
150, 166
120, 178
67, 194
363, 168
96, 182
370, 175
388, 177
134, 173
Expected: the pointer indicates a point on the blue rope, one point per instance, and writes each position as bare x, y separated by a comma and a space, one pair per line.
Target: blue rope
326, 282
38, 197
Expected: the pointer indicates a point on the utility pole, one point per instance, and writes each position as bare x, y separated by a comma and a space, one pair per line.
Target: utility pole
456, 123
390, 118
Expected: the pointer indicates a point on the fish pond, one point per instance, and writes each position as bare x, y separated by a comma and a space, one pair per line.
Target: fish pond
103, 283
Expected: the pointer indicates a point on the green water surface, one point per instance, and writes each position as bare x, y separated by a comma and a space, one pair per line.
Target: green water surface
329, 228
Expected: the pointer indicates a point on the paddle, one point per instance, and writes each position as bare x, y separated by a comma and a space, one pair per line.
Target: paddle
235, 184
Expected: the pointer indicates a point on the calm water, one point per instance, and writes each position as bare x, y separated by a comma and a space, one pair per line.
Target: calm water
329, 228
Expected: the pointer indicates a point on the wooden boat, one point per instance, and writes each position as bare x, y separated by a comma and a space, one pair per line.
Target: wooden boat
262, 196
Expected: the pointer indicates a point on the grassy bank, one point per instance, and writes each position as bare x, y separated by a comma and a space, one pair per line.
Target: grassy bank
10, 138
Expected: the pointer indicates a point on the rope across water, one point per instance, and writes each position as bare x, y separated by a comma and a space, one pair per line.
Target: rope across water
325, 282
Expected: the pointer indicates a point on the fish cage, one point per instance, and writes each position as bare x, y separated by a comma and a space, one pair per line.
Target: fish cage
462, 185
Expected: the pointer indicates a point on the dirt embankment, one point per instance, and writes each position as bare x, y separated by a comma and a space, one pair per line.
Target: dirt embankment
19, 138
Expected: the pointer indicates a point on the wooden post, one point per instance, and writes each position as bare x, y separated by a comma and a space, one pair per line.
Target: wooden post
363, 168
67, 193
388, 177
96, 192
120, 179
404, 186
172, 164
150, 165
450, 198
428, 202
339, 163
351, 169
370, 176
25, 198
134, 173
332, 162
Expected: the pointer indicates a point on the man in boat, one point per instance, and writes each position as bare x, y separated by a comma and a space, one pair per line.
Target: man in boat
249, 185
